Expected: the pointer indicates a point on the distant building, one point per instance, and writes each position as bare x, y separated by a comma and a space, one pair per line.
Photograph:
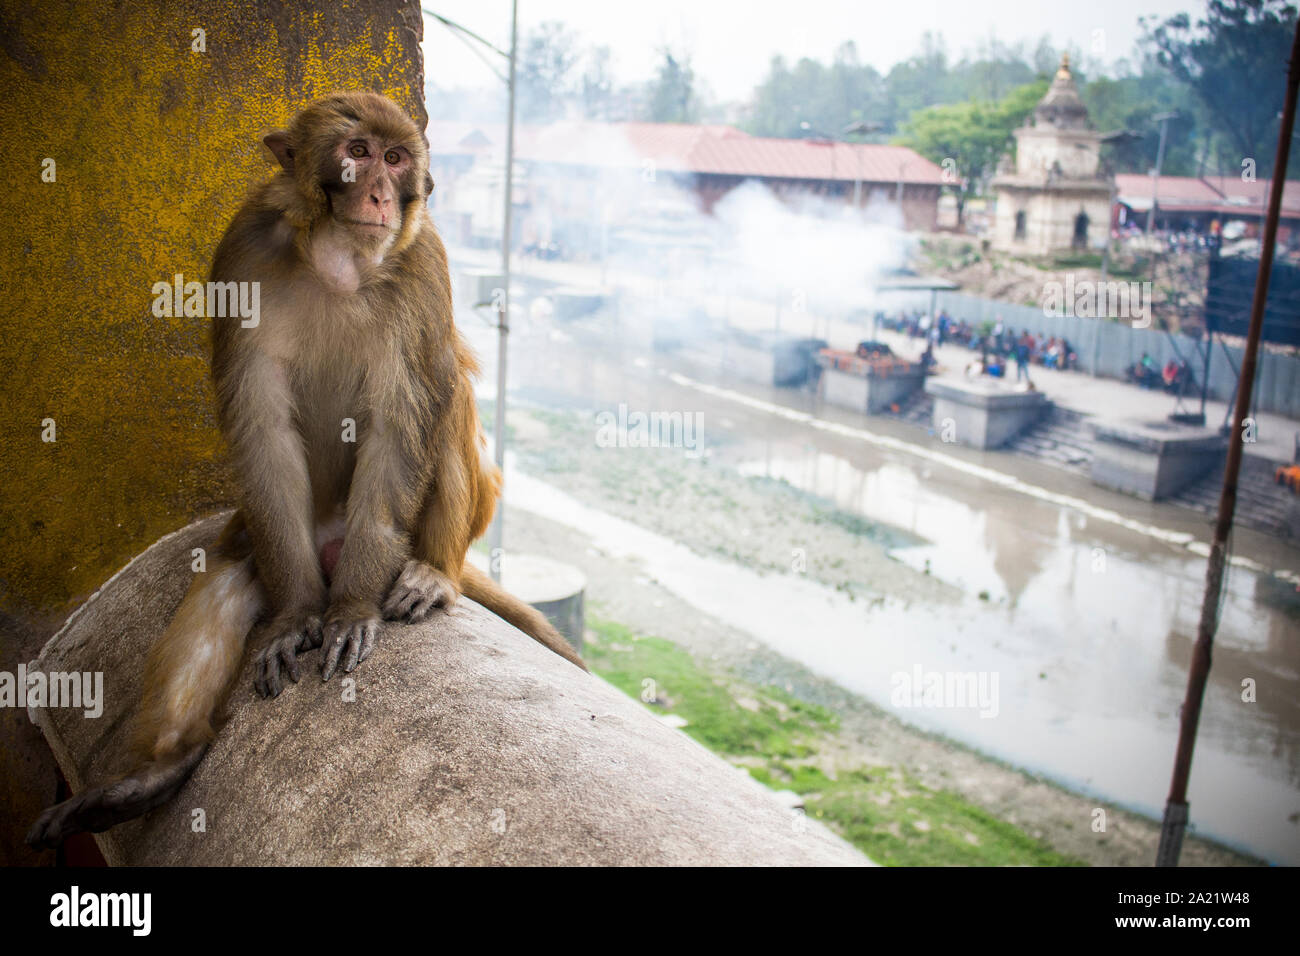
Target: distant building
1191, 204
573, 176
1055, 198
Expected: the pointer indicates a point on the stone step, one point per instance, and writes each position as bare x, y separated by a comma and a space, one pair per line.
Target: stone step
1064, 439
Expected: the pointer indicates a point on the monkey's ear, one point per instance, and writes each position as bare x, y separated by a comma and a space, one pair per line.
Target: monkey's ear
278, 143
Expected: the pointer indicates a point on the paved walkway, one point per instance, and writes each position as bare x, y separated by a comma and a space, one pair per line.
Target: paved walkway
1078, 391
1112, 399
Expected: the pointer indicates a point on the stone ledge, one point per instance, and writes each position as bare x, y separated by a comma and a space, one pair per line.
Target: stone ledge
1160, 437
467, 743
983, 413
982, 393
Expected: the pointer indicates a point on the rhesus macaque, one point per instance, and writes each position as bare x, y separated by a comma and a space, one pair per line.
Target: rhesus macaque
332, 536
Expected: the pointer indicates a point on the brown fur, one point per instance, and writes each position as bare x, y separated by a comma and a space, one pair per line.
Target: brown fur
356, 324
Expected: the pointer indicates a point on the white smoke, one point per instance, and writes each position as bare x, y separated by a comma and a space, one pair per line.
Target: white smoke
809, 244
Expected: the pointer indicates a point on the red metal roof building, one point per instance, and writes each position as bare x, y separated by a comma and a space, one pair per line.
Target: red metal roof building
713, 160
1192, 200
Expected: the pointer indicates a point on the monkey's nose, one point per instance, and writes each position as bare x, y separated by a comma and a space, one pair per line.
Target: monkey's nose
383, 205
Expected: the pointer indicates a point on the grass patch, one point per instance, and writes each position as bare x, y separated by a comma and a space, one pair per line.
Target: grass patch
770, 721
1076, 260
899, 822
785, 743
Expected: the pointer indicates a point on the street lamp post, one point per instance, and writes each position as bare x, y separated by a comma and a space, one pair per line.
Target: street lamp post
859, 129
502, 300
1113, 138
496, 536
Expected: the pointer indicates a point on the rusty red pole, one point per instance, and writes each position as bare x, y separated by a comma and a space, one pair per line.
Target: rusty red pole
1175, 821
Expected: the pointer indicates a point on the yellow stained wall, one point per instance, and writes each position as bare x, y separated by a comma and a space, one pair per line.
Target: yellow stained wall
155, 146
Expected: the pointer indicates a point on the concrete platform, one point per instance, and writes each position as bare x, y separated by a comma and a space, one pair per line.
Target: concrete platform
1153, 459
870, 389
761, 366
984, 413
769, 360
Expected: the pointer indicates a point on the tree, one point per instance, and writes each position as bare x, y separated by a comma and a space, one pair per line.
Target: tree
672, 96
1129, 102
996, 71
597, 86
855, 92
826, 98
544, 88
919, 81
1233, 60
969, 138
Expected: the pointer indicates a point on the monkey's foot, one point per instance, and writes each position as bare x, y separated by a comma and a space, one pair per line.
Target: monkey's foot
349, 637
420, 589
281, 655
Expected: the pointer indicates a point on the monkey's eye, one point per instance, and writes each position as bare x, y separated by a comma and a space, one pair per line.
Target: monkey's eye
392, 157
357, 150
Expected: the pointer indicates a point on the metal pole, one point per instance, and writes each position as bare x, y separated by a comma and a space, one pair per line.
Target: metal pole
857, 178
1205, 372
1105, 272
1110, 220
1160, 159
503, 305
1175, 820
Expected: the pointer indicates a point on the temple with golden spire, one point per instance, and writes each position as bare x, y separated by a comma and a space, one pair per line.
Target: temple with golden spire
1054, 198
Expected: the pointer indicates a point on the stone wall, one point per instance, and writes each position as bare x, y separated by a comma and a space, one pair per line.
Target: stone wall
154, 144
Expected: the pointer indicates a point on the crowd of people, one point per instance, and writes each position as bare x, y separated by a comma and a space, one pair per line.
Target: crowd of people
1176, 376
999, 345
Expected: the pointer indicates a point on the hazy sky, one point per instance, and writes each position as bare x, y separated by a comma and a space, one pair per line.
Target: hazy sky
732, 41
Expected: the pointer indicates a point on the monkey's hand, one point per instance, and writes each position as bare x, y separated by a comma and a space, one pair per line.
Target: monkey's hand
350, 635
300, 633
419, 589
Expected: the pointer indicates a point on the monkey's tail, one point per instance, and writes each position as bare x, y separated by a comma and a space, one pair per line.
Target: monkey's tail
99, 808
477, 586
188, 675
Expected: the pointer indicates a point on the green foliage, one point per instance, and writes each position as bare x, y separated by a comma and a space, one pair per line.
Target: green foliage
547, 55
1128, 103
1077, 260
970, 137
789, 744
1222, 74
1234, 62
826, 98
775, 724
672, 96
899, 822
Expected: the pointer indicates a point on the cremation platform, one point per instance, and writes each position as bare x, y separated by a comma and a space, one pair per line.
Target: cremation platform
869, 385
1153, 459
984, 412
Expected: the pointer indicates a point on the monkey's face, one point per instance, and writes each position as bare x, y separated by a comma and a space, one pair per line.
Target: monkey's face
361, 165
366, 195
